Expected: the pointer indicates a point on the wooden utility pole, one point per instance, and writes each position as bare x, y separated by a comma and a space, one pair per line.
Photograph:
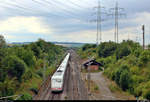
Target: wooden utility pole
143, 28
89, 78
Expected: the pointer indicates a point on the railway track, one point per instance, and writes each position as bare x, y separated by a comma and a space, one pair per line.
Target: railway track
54, 96
73, 84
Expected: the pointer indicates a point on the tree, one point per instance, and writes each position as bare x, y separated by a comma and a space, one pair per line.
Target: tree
124, 80
87, 46
122, 51
2, 42
36, 49
145, 56
107, 49
15, 66
7, 87
119, 72
26, 55
147, 94
41, 43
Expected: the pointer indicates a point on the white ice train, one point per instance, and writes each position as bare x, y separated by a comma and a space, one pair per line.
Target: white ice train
57, 80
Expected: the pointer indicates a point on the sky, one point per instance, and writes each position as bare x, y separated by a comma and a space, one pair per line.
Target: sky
70, 20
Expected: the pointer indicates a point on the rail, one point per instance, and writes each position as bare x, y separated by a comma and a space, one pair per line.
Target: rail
43, 86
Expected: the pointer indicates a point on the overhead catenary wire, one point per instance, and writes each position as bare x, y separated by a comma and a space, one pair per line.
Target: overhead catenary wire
55, 4
19, 7
25, 9
76, 4
16, 6
47, 3
43, 4
59, 3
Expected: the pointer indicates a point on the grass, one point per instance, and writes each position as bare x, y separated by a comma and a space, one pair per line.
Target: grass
93, 86
65, 97
114, 88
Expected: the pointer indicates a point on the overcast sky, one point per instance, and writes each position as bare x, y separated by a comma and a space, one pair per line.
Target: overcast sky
68, 20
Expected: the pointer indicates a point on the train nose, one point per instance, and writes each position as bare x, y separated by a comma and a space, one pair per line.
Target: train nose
53, 89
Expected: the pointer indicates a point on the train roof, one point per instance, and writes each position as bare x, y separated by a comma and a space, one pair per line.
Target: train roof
58, 74
61, 69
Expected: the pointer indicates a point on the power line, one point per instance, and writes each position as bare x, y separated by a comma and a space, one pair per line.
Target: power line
99, 21
55, 3
76, 4
19, 7
116, 14
40, 3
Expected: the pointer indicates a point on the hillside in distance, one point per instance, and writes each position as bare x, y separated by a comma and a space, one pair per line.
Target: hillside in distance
65, 44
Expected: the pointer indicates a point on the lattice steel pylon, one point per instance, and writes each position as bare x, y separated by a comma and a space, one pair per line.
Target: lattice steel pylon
99, 20
117, 13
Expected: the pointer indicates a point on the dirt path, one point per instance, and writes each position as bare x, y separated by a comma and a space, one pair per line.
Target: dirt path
105, 93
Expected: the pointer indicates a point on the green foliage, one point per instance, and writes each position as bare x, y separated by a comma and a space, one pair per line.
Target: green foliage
2, 42
87, 46
120, 70
113, 87
126, 63
15, 66
26, 55
22, 64
39, 72
35, 90
124, 80
27, 75
106, 49
146, 94
7, 87
36, 49
96, 88
26, 96
123, 51
144, 57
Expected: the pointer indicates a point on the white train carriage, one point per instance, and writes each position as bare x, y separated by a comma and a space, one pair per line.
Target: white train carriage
57, 79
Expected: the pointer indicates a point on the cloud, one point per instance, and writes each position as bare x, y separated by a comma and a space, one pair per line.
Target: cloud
90, 35
21, 24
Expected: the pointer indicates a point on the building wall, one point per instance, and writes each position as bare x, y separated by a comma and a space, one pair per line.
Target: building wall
94, 67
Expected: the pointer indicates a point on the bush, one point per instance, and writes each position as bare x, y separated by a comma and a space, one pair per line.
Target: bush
146, 94
124, 80
106, 49
40, 73
96, 88
122, 51
113, 87
27, 75
87, 46
15, 66
26, 96
120, 76
34, 90
145, 57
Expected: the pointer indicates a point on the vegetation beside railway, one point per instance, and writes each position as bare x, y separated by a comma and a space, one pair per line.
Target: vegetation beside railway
126, 63
21, 67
